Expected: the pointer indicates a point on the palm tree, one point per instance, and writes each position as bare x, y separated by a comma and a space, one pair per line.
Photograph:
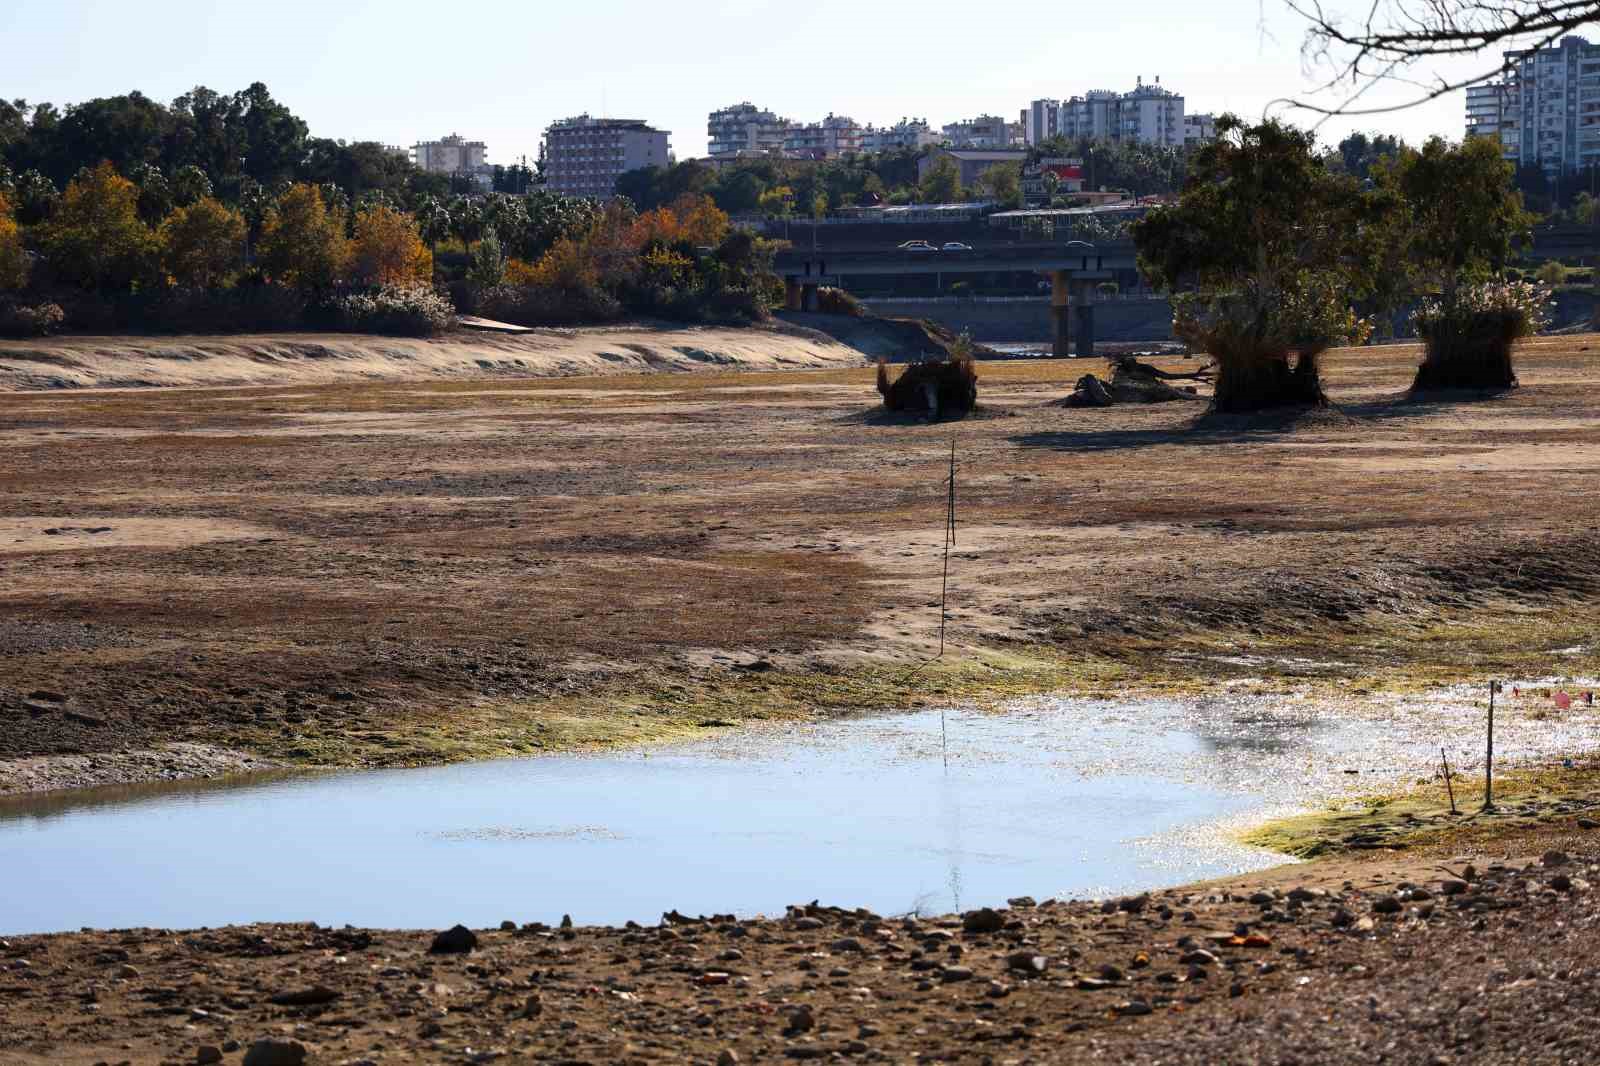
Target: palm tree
433, 220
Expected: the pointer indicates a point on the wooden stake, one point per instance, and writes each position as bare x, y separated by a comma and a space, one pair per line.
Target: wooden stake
1488, 758
1447, 782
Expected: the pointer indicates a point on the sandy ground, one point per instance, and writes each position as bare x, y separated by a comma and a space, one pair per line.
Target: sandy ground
401, 571
1484, 953
311, 358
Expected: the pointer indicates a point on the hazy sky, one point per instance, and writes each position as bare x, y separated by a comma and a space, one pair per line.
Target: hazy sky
401, 70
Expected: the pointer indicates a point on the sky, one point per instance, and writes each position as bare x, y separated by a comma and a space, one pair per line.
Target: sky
399, 71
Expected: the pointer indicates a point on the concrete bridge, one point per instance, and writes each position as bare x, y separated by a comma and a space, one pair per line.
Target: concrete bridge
1075, 268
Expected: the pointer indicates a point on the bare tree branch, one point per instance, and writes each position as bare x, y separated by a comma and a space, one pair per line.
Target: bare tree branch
1397, 37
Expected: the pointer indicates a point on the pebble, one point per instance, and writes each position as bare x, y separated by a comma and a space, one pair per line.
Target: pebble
1387, 905
127, 971
206, 1054
457, 940
848, 943
1453, 887
1027, 962
1555, 858
808, 922
728, 1057
1561, 883
956, 973
1132, 1008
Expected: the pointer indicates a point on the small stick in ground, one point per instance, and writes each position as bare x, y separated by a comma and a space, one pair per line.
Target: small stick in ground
1448, 784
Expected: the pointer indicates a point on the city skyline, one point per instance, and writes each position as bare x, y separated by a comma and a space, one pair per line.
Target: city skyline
398, 73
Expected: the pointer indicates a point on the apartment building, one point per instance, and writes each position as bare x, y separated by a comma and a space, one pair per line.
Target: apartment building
1041, 121
745, 130
1199, 129
831, 138
907, 133
1546, 109
453, 155
1148, 114
584, 156
985, 131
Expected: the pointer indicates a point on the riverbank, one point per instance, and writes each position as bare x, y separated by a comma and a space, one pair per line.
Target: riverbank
405, 572
1482, 952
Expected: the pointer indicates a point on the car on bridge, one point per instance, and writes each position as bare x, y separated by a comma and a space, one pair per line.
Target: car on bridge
917, 246
955, 246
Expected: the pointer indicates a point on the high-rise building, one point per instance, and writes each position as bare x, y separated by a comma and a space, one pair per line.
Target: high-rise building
1148, 114
1546, 110
1041, 121
584, 156
745, 130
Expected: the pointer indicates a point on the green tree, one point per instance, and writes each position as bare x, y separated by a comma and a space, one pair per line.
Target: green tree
190, 185
37, 197
1002, 183
155, 194
95, 238
302, 243
487, 269
433, 222
1457, 215
1279, 249
942, 183
203, 243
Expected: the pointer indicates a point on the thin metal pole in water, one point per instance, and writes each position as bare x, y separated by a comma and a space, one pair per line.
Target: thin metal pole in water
944, 585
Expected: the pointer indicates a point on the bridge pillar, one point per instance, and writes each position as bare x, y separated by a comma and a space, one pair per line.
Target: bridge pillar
1083, 304
808, 297
791, 294
1060, 314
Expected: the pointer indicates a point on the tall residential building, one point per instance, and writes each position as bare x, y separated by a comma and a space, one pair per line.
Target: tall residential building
985, 131
1148, 114
1548, 106
1041, 121
449, 155
831, 138
907, 133
584, 156
745, 129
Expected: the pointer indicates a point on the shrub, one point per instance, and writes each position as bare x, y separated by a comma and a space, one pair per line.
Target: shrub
548, 306
410, 311
1551, 273
1468, 336
832, 301
29, 320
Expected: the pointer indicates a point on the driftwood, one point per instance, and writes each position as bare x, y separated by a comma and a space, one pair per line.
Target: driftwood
1090, 392
942, 387
1131, 365
1131, 382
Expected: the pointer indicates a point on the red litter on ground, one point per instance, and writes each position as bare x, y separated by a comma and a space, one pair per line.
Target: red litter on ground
1563, 700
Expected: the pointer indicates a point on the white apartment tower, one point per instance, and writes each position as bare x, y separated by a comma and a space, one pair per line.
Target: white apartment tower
584, 156
744, 130
1546, 110
449, 155
1147, 115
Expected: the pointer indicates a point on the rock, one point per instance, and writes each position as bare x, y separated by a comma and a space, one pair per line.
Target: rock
847, 944
731, 955
1452, 887
1555, 858
808, 922
532, 1007
457, 940
1094, 984
1111, 972
1022, 902
956, 973
305, 997
1341, 918
1132, 1008
1262, 899
801, 1021
1236, 990
1133, 904
1027, 962
1561, 883
275, 1053
1198, 958
206, 1054
986, 920
1090, 392
508, 927
1387, 905
566, 921
1365, 925
128, 972
727, 1057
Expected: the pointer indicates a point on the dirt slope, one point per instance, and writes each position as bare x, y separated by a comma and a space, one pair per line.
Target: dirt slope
312, 358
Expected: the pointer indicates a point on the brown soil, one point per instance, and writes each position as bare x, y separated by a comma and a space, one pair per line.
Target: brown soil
1374, 958
394, 572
